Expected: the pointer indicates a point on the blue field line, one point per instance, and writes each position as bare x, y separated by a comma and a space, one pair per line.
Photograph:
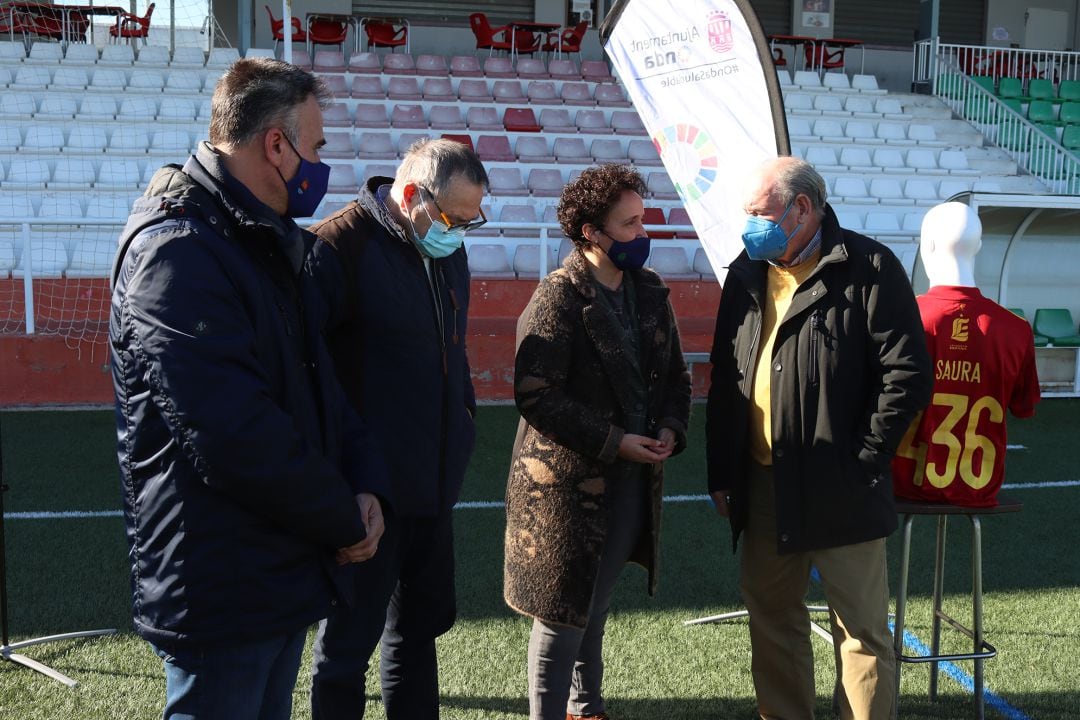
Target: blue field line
961, 678
467, 505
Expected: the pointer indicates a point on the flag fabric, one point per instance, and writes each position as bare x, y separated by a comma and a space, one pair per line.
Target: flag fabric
701, 76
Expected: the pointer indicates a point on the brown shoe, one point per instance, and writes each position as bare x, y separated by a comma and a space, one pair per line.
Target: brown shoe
601, 716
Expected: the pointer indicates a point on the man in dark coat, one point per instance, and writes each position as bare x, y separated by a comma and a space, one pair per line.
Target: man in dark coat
393, 270
819, 366
244, 471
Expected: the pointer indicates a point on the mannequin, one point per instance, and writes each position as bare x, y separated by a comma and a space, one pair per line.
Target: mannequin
951, 237
984, 364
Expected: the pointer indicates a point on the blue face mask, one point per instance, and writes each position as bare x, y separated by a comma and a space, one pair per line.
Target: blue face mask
439, 241
765, 239
629, 255
307, 187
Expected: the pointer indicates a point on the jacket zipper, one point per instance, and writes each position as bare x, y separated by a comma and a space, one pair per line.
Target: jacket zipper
817, 327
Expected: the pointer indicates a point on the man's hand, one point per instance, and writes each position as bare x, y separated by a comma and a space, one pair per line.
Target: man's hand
371, 511
722, 502
666, 436
646, 450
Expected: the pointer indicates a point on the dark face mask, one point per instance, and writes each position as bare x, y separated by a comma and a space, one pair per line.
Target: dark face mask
307, 187
629, 255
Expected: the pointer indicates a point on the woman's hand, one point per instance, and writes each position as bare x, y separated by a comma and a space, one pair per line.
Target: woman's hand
646, 450
666, 436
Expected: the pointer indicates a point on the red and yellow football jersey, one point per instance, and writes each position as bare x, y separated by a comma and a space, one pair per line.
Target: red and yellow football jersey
984, 362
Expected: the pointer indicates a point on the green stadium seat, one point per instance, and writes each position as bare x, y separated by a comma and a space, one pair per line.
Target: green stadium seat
1013, 135
1040, 340
1057, 324
1011, 87
1041, 89
1013, 104
1070, 113
1069, 91
1071, 137
986, 82
1041, 111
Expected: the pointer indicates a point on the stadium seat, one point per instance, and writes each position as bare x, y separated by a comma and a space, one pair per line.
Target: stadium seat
1070, 113
335, 84
107, 80
808, 79
27, 174
894, 133
888, 190
148, 81
474, 90
881, 222
702, 265
403, 88
1057, 325
561, 69
129, 140
851, 189
91, 257
367, 87
372, 170
527, 259
86, 138
407, 116
56, 107
1041, 111
80, 55
376, 146
117, 55
611, 96
495, 148
371, 115
325, 62
520, 120
542, 92
1070, 138
596, 71
31, 78
342, 179
923, 134
336, 115
858, 159
483, 118
861, 131
643, 153
865, 83
823, 158
153, 56
506, 181
108, 206
177, 109
627, 122
407, 140
679, 216
17, 106
488, 261
828, 103
43, 138
191, 57
922, 191
836, 82
438, 89
50, 259
512, 213
69, 79
830, 131
16, 205
338, 146
592, 122
661, 187
499, 67
799, 102
671, 263
571, 150
1041, 89
554, 120
365, 63
850, 220
398, 64
533, 149
73, 174
602, 150
529, 68
545, 183
922, 160
446, 117
955, 161
465, 66
171, 142
117, 174
10, 138
138, 109
576, 93
432, 66
463, 138
508, 91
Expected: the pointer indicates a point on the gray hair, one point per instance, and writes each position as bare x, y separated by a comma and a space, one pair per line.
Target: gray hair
431, 164
798, 177
257, 94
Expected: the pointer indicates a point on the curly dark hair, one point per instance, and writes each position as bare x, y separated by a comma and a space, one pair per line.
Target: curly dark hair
588, 198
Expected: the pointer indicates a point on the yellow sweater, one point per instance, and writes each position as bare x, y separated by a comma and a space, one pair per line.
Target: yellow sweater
780, 288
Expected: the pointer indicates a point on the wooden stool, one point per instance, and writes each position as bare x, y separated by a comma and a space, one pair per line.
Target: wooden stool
982, 650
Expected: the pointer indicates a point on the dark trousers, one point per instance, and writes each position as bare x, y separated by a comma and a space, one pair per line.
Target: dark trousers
405, 598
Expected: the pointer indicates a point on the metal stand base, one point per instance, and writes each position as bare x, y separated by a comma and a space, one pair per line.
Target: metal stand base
7, 653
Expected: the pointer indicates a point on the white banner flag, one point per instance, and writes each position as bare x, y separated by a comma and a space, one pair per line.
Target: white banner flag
701, 77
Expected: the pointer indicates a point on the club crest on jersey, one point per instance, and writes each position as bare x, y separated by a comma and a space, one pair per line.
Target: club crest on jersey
960, 329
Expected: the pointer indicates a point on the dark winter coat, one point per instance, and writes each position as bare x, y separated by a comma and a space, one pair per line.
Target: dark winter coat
850, 370
410, 382
572, 389
239, 457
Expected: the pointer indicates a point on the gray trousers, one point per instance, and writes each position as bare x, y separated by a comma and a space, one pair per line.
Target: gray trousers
566, 666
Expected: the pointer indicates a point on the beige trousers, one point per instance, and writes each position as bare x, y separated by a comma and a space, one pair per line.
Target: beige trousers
774, 589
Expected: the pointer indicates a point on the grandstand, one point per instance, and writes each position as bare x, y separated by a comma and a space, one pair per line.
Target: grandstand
85, 125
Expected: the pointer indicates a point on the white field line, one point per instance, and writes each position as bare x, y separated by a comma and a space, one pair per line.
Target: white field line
471, 505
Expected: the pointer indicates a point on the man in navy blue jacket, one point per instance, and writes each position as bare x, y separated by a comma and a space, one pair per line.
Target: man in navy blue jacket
249, 486
392, 267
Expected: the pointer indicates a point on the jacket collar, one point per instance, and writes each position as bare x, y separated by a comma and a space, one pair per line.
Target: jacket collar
372, 200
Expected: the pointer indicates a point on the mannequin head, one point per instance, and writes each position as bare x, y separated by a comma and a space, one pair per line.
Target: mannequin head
951, 237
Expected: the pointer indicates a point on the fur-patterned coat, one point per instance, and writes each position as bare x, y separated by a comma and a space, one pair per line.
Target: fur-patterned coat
571, 387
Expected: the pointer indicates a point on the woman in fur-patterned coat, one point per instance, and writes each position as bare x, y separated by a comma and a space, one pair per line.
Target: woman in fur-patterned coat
604, 396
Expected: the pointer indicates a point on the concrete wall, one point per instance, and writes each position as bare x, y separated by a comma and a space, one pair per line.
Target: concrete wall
1010, 14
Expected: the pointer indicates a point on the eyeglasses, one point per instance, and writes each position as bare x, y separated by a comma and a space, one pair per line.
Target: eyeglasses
466, 226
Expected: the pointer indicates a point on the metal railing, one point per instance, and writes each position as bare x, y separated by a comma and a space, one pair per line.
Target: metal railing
1053, 65
1035, 148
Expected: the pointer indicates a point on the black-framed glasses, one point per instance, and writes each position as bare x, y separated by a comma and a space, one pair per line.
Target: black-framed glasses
466, 226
